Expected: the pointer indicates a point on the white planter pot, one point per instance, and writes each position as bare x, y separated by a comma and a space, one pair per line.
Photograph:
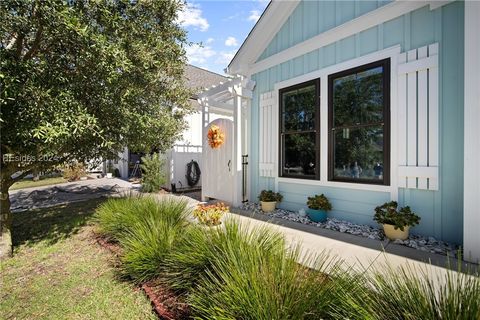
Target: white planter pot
394, 234
109, 175
268, 206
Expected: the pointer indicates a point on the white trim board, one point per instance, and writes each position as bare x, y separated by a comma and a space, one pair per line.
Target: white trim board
354, 26
335, 184
471, 186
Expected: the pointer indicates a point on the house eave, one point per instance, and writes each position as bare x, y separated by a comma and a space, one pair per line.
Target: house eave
272, 19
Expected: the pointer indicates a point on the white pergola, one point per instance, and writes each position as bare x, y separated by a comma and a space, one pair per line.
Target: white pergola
231, 98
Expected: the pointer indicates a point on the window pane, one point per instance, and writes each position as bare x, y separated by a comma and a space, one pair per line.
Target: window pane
298, 112
358, 153
299, 156
358, 98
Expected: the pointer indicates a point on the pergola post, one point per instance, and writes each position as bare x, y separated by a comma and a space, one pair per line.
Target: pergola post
237, 148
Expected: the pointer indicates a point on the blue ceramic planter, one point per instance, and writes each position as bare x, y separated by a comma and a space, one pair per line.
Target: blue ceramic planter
317, 215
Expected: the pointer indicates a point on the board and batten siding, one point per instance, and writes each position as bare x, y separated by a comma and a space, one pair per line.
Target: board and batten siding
441, 210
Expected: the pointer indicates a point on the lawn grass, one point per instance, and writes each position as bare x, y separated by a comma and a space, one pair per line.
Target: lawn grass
29, 183
59, 271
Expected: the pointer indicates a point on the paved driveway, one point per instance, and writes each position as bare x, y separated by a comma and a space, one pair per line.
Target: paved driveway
46, 196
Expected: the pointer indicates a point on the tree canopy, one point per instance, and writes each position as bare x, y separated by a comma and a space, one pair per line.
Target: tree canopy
81, 79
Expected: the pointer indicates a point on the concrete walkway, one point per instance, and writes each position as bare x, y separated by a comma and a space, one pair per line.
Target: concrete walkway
362, 254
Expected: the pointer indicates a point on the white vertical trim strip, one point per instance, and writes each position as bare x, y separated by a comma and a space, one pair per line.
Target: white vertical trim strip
394, 128
471, 189
402, 120
412, 119
433, 116
422, 118
324, 128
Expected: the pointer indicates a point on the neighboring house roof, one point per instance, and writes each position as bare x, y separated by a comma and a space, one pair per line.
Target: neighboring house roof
270, 22
200, 79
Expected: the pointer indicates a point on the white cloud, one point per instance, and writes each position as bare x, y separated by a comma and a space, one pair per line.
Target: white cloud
192, 16
199, 55
224, 57
209, 41
231, 42
254, 16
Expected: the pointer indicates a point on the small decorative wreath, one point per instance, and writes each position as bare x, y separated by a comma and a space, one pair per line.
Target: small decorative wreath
215, 137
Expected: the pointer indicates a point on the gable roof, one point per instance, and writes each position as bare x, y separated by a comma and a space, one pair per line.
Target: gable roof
270, 22
200, 79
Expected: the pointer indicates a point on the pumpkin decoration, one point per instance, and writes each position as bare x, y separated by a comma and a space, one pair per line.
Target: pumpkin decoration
215, 136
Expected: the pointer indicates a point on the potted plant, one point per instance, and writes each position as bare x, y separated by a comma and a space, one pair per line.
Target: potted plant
396, 223
268, 200
318, 206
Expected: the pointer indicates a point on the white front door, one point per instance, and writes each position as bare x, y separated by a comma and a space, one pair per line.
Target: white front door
218, 166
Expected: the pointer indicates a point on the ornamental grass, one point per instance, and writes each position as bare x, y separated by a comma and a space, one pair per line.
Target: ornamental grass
237, 271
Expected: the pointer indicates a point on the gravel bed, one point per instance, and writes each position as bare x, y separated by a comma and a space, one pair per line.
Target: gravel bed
426, 244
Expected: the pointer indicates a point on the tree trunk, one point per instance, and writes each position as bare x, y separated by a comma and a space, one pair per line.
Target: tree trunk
5, 218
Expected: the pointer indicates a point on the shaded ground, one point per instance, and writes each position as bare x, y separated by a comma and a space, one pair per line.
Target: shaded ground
60, 272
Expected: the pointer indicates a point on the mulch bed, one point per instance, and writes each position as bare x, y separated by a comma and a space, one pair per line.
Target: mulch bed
166, 304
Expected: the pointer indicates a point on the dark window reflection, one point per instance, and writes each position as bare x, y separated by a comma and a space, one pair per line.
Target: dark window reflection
299, 109
359, 153
299, 138
299, 154
357, 106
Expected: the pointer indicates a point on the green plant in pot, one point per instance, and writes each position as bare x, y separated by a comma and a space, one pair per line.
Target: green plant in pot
268, 200
318, 206
396, 223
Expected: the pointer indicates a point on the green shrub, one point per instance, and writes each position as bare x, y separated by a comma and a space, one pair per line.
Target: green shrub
153, 173
146, 229
201, 247
414, 293
238, 272
74, 171
117, 215
252, 275
146, 246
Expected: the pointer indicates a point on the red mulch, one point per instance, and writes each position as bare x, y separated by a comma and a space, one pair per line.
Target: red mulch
167, 305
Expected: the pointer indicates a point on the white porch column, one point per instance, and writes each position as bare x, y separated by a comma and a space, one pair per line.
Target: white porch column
471, 192
237, 148
205, 122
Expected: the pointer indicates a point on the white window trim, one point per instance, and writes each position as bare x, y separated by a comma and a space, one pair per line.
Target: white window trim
392, 53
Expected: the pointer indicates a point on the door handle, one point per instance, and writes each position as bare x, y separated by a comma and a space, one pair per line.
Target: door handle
228, 164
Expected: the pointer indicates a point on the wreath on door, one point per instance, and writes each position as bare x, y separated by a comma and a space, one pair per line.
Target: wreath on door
215, 136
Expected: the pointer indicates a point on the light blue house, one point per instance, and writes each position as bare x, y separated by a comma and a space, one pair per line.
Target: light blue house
366, 102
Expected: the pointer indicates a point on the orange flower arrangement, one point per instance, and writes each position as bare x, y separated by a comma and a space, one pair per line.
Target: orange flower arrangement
215, 136
210, 215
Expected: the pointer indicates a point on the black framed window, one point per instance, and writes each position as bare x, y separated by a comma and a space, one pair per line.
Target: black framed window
299, 131
359, 124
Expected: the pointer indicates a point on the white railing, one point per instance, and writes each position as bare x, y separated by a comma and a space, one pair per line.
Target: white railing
185, 148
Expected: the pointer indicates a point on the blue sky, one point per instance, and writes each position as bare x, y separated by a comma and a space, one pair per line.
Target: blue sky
221, 27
